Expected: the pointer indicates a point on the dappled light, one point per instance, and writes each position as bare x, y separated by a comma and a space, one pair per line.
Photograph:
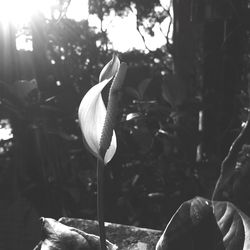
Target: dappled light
5, 130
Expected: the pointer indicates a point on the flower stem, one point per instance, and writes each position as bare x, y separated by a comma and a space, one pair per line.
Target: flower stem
100, 206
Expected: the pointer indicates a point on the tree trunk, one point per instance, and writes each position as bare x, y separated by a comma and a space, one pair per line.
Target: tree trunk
223, 56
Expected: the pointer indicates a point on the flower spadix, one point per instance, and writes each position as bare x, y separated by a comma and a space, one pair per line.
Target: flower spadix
97, 122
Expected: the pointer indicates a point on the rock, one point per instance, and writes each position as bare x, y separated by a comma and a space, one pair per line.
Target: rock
57, 236
125, 237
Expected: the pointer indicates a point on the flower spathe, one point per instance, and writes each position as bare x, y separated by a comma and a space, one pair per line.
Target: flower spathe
92, 114
110, 69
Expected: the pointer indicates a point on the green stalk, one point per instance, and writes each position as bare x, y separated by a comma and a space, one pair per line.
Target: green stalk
100, 206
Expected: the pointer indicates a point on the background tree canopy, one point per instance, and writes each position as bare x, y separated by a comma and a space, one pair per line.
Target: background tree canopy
183, 104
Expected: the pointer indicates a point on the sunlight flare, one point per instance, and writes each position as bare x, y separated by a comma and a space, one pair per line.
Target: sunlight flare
20, 12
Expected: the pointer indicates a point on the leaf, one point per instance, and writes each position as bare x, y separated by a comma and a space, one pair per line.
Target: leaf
58, 236
132, 116
231, 223
142, 87
202, 224
110, 69
132, 92
174, 90
233, 183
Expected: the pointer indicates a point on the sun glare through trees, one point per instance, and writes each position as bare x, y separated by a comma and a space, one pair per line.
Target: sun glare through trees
122, 31
20, 12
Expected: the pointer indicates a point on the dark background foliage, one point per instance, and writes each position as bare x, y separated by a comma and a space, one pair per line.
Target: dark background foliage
182, 106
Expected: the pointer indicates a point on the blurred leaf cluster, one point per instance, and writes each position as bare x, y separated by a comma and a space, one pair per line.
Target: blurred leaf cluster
154, 170
155, 165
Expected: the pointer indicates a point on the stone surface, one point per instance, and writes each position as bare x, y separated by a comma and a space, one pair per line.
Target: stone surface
125, 237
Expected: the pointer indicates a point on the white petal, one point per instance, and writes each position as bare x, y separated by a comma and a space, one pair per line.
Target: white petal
91, 113
111, 150
110, 69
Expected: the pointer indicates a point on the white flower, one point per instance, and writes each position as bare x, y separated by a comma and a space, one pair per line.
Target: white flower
98, 127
